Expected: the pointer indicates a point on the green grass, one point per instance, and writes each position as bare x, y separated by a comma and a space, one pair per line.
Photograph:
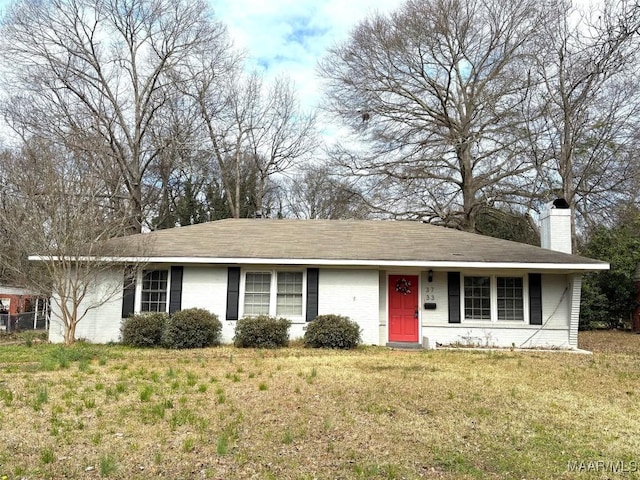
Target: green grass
108, 465
368, 413
188, 444
287, 437
222, 444
46, 456
42, 397
6, 396
145, 393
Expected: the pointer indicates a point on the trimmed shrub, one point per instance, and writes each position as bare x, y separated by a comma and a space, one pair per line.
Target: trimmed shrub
192, 328
262, 331
143, 329
332, 331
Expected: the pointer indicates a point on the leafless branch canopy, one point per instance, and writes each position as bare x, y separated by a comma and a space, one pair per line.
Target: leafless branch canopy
95, 76
456, 106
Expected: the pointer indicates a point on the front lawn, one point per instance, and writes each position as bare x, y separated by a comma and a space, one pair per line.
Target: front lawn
113, 412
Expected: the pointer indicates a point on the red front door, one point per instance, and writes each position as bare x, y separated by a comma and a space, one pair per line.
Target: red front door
403, 308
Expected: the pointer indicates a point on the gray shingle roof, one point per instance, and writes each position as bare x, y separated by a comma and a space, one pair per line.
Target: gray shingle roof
336, 240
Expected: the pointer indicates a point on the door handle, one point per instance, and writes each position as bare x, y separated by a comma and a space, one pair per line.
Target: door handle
415, 315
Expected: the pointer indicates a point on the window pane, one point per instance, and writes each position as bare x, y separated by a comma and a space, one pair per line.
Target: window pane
510, 298
477, 298
257, 292
289, 293
154, 291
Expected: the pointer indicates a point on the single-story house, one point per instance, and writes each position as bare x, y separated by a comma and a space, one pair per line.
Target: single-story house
13, 299
404, 282
21, 308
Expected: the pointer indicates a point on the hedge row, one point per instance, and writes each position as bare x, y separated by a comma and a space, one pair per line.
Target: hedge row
198, 328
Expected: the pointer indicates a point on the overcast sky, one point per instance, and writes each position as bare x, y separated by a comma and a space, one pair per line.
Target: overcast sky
289, 36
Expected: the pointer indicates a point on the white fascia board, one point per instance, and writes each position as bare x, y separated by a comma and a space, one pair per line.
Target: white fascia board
6, 289
347, 263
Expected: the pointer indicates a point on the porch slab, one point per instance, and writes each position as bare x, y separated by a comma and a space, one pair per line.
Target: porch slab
405, 345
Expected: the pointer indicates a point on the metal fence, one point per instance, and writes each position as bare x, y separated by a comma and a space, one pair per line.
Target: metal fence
23, 321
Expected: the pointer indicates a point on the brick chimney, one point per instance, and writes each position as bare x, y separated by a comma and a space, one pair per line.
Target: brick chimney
555, 226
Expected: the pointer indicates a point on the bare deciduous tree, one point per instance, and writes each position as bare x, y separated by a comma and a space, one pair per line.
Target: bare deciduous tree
54, 211
317, 194
433, 95
94, 75
11, 259
586, 110
251, 129
282, 135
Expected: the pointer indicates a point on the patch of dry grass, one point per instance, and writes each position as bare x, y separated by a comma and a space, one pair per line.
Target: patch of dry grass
113, 412
610, 341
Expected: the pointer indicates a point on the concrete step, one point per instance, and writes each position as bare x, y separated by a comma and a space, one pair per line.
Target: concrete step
405, 345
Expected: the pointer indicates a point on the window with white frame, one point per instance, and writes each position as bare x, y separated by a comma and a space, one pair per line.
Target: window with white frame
154, 291
257, 293
289, 296
494, 298
477, 298
510, 298
273, 293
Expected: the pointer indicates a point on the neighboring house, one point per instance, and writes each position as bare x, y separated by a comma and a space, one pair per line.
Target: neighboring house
403, 282
12, 299
21, 308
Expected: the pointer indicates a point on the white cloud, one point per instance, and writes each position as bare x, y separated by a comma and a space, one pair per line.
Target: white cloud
288, 37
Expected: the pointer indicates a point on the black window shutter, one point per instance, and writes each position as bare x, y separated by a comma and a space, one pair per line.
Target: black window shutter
233, 292
535, 299
175, 294
313, 275
128, 293
453, 283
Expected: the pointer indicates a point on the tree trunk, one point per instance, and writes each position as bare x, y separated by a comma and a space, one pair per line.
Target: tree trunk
566, 172
69, 319
235, 209
70, 334
468, 189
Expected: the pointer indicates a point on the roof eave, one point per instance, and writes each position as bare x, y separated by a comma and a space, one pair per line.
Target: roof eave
438, 264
